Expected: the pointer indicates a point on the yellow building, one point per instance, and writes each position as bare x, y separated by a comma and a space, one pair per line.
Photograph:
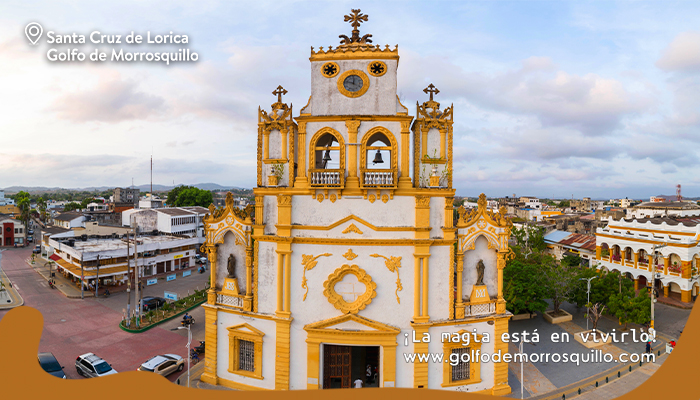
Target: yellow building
350, 258
10, 209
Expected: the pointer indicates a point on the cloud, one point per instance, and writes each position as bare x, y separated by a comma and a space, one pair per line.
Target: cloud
112, 100
682, 54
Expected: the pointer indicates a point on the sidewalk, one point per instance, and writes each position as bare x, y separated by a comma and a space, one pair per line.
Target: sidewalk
63, 284
10, 297
195, 374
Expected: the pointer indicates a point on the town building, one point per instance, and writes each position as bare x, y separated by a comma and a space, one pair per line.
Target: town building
654, 209
5, 201
584, 205
125, 197
13, 232
530, 202
69, 219
102, 253
353, 245
561, 244
150, 201
628, 246
186, 221
10, 209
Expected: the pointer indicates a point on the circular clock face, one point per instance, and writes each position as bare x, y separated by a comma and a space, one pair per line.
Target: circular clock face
352, 83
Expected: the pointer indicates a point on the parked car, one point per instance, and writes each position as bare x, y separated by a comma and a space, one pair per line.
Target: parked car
164, 364
37, 249
201, 259
31, 232
48, 362
30, 239
91, 366
150, 303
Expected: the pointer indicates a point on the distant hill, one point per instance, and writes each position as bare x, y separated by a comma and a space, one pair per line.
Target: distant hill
143, 188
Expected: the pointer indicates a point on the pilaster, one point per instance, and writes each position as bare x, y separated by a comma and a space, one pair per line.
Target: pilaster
210, 318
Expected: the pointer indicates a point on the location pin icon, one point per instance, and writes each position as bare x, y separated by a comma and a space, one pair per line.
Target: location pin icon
33, 32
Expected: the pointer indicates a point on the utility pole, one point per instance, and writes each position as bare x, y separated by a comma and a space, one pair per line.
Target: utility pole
588, 298
82, 278
137, 302
97, 279
653, 281
128, 282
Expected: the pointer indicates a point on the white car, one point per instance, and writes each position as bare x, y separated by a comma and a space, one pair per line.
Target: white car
91, 366
164, 364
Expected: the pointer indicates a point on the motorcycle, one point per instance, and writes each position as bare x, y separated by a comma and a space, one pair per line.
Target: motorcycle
52, 285
201, 270
106, 293
188, 321
200, 349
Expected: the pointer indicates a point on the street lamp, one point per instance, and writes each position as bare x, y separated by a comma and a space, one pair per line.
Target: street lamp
189, 341
653, 281
588, 297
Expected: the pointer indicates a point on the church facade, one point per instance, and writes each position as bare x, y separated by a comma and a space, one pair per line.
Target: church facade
351, 257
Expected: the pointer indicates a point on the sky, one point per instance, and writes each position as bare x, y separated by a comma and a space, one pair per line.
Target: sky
552, 99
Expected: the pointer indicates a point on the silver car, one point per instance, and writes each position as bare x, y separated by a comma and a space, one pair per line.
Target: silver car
91, 366
164, 364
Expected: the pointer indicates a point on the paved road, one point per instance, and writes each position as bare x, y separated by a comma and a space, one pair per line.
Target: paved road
73, 326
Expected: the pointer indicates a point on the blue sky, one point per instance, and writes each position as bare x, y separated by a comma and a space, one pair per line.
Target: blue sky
553, 99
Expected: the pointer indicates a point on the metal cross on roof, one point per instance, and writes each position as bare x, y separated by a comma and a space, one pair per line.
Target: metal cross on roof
431, 89
355, 19
279, 92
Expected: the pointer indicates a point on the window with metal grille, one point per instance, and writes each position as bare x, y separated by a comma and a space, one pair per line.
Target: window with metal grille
460, 371
246, 355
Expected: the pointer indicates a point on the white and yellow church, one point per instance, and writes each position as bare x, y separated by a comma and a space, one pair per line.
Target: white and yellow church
351, 250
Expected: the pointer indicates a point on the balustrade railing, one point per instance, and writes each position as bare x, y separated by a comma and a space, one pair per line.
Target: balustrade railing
471, 310
378, 178
326, 177
228, 300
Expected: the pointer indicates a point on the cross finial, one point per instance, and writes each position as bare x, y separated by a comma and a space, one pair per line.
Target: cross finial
355, 18
431, 89
279, 92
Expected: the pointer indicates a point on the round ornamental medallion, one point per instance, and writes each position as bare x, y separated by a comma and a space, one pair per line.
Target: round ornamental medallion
481, 224
229, 220
330, 69
376, 68
350, 289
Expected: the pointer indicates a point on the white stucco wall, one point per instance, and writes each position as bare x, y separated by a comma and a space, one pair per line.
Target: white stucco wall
308, 211
238, 250
380, 98
270, 214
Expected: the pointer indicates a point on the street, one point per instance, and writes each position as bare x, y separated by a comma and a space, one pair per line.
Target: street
73, 326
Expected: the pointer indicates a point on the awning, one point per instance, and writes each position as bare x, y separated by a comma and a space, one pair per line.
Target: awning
55, 257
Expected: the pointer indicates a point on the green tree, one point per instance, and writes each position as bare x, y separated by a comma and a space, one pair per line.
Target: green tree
172, 195
193, 197
560, 281
72, 206
634, 309
565, 203
23, 201
524, 291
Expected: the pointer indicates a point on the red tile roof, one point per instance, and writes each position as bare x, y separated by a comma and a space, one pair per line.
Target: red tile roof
586, 242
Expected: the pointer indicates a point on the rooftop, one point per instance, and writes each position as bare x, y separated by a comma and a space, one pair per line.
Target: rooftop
68, 216
668, 204
155, 242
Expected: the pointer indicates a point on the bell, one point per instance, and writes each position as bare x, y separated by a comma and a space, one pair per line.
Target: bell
327, 156
378, 158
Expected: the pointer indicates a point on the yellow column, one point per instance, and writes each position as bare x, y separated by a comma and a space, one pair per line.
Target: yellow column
389, 363
280, 279
287, 282
652, 267
353, 181
500, 369
636, 283
266, 145
248, 303
282, 354
598, 251
666, 264
424, 143
459, 302
420, 369
686, 269
313, 357
405, 179
301, 180
636, 259
416, 287
685, 296
665, 291
210, 334
442, 143
426, 290
501, 264
211, 293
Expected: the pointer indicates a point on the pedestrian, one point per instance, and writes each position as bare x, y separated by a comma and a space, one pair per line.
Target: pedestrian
648, 350
358, 383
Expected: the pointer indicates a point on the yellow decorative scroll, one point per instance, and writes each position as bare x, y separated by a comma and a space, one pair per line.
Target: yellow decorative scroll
309, 262
393, 263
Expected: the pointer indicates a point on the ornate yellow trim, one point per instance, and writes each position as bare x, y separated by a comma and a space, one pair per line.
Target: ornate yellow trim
329, 65
350, 255
335, 118
474, 365
347, 93
372, 198
303, 110
393, 264
248, 333
256, 249
394, 155
309, 262
312, 148
356, 241
352, 228
377, 64
337, 300
357, 52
